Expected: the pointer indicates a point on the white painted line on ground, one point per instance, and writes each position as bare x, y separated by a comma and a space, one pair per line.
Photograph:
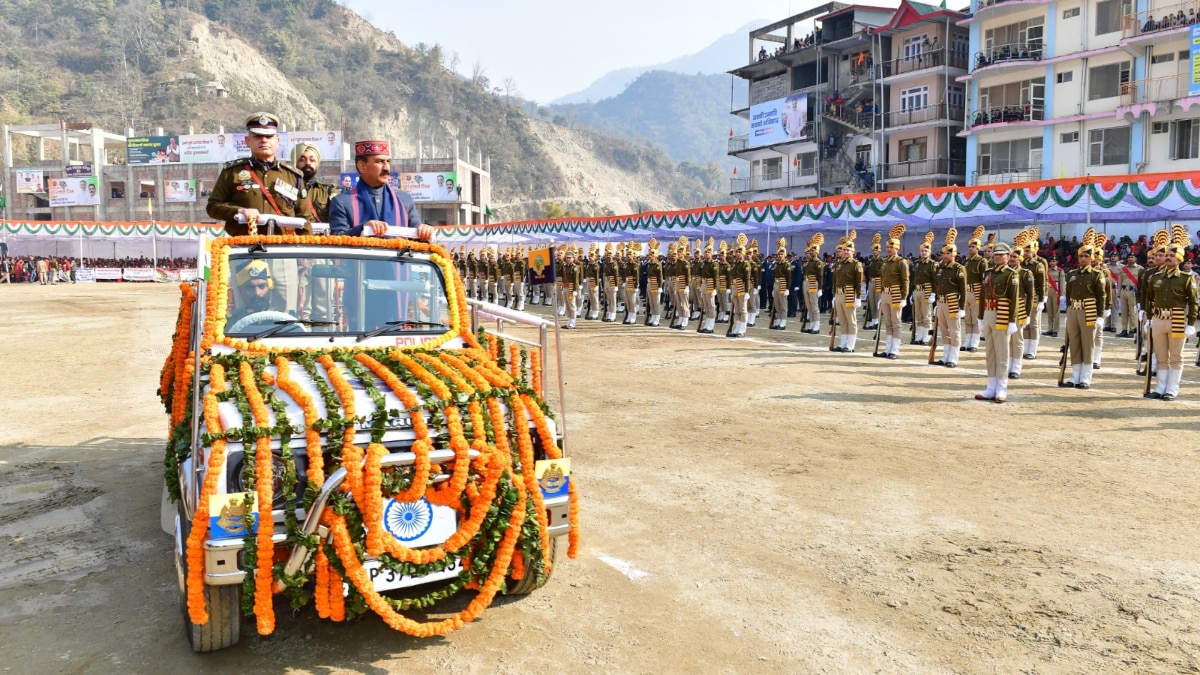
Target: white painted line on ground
622, 566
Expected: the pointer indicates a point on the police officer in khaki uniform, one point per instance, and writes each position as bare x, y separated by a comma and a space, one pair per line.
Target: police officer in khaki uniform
572, 277
872, 289
813, 271
894, 287
848, 282
741, 285
924, 274
998, 306
655, 282
950, 287
1085, 298
1127, 276
781, 276
976, 266
1036, 265
1054, 290
259, 185
1172, 300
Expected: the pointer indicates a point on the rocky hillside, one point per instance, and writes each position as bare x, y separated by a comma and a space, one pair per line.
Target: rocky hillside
141, 64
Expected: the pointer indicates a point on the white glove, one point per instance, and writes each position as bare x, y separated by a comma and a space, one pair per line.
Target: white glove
1107, 312
962, 313
1141, 315
1041, 307
1025, 322
1043, 303
857, 303
785, 292
933, 297
980, 324
819, 294
1189, 331
903, 304
1012, 328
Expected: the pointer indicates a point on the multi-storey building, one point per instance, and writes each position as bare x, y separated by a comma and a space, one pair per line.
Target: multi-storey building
1080, 87
878, 92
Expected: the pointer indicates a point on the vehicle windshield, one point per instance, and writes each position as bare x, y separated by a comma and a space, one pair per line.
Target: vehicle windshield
284, 293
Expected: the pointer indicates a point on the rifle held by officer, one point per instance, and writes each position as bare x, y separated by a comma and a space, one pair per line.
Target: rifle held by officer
933, 340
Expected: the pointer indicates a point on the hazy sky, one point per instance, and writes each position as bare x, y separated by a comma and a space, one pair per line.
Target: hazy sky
555, 48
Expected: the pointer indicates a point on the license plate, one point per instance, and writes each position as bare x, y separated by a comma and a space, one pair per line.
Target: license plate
385, 579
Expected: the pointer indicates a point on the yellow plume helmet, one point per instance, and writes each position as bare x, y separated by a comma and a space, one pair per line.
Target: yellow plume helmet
977, 236
949, 247
712, 245
1089, 241
671, 248
894, 235
653, 246
814, 243
875, 242
781, 246
754, 246
608, 248
1018, 244
850, 236
1179, 242
724, 247
841, 244
742, 239
683, 243
1101, 240
1035, 236
927, 243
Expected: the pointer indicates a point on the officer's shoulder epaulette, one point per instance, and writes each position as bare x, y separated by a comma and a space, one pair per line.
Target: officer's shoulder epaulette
289, 167
234, 163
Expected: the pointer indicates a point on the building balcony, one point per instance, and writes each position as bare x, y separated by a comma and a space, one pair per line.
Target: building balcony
990, 7
1011, 174
797, 178
940, 112
1007, 114
1155, 90
1017, 53
937, 58
1159, 19
924, 168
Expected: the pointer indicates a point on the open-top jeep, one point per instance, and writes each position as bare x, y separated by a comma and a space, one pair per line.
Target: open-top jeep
340, 435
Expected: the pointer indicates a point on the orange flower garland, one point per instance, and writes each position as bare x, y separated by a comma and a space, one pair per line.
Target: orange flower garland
514, 360
264, 609
371, 501
525, 448
535, 371
197, 611
312, 438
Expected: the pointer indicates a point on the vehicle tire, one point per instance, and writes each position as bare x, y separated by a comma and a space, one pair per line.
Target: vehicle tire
529, 583
224, 608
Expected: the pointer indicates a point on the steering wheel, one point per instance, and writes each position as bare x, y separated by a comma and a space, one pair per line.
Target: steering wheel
260, 317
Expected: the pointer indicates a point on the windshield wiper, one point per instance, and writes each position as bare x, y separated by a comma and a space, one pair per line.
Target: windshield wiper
392, 324
280, 325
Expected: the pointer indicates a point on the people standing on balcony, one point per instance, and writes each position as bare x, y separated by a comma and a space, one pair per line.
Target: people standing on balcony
762, 53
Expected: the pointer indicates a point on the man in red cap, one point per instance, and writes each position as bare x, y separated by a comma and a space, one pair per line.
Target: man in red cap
373, 205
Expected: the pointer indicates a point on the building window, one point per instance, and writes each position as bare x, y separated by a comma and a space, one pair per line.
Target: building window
1010, 156
772, 168
1162, 58
1109, 15
1185, 139
916, 98
1070, 13
1108, 146
1069, 137
913, 149
955, 96
1065, 76
1160, 127
808, 163
1016, 40
1184, 55
912, 46
1106, 81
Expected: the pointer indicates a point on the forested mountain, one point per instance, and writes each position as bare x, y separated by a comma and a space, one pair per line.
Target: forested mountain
143, 64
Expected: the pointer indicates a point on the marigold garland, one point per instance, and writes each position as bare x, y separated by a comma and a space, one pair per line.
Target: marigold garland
264, 609
197, 611
473, 378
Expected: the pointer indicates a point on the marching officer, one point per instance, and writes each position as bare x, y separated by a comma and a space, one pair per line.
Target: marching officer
741, 285
1085, 298
1025, 303
997, 305
782, 274
894, 288
680, 270
1054, 286
814, 269
873, 288
1172, 299
1036, 265
572, 276
950, 287
848, 282
654, 284
1127, 285
924, 274
976, 266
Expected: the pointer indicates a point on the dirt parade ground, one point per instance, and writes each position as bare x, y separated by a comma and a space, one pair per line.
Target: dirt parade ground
750, 506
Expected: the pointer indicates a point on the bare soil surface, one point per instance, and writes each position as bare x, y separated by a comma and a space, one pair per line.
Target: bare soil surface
759, 505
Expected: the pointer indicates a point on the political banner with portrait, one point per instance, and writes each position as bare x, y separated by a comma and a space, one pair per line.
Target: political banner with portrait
180, 191
209, 148
349, 181
29, 182
74, 192
778, 121
243, 150
140, 150
328, 143
430, 186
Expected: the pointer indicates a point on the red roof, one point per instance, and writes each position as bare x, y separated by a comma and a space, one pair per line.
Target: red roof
907, 15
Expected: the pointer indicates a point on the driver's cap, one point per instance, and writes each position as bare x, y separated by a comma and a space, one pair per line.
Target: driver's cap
257, 269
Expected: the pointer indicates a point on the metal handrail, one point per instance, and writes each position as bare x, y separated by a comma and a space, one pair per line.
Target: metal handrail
1032, 50
937, 111
1007, 113
935, 58
925, 167
1010, 175
786, 179
1160, 19
1155, 89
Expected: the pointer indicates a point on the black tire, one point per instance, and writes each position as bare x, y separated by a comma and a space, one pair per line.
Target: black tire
529, 583
224, 604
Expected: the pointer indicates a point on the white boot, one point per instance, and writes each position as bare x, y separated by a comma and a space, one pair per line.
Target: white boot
990, 391
1076, 369
710, 323
895, 349
1014, 366
1161, 376
1096, 354
782, 324
1001, 389
1031, 347
1174, 377
739, 328
1085, 374
951, 357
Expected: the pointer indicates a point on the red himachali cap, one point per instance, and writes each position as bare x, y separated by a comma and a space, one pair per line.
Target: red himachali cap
372, 148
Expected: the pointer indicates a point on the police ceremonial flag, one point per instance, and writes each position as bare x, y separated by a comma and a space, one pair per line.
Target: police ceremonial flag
553, 476
229, 515
541, 265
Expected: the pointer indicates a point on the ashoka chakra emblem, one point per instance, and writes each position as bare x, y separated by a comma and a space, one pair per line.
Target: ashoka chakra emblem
407, 521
